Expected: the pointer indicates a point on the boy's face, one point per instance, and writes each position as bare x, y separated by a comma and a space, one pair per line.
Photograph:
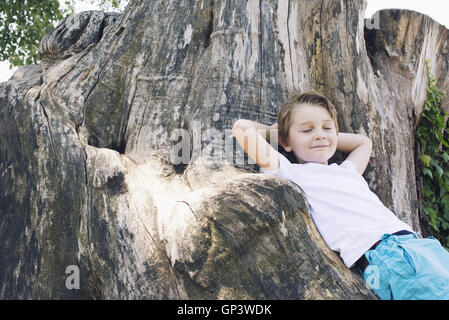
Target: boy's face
312, 136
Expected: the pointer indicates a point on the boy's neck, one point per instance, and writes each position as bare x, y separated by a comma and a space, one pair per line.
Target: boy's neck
303, 162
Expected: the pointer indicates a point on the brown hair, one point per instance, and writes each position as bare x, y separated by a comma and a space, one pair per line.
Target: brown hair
285, 114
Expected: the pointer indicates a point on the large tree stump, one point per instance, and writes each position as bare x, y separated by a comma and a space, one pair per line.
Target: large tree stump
89, 180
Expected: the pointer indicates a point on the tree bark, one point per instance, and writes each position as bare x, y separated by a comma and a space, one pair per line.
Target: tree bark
90, 138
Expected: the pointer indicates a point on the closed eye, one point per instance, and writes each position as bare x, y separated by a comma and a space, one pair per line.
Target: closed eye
309, 130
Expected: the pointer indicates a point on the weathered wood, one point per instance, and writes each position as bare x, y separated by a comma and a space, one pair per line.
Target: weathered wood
86, 155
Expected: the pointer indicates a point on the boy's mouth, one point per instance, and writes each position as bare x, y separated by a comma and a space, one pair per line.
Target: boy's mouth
321, 146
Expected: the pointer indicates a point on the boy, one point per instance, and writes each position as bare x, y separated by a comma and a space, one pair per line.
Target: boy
392, 259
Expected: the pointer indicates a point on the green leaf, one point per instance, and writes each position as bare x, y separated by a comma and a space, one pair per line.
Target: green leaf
440, 170
427, 172
446, 214
433, 222
426, 159
445, 156
445, 225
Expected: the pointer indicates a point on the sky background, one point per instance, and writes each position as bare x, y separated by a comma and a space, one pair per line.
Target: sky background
436, 9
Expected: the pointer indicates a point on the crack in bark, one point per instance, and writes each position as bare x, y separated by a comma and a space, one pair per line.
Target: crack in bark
86, 182
289, 45
49, 131
191, 210
160, 249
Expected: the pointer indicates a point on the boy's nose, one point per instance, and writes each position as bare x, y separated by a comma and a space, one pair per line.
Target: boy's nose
320, 135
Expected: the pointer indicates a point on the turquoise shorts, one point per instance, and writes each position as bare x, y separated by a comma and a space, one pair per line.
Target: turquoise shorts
407, 267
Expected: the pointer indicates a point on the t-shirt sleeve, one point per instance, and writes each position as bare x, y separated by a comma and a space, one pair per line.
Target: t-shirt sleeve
349, 164
284, 167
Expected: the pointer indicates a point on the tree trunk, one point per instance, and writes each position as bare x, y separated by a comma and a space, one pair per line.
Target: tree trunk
117, 157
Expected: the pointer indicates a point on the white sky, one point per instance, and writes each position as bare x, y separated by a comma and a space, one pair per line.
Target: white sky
436, 9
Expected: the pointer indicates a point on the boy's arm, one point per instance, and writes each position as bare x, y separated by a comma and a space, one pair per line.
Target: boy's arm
359, 146
253, 137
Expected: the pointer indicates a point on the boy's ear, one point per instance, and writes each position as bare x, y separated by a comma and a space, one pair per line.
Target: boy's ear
286, 148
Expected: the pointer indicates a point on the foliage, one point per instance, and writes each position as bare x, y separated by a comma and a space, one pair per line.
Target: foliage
105, 4
23, 23
432, 134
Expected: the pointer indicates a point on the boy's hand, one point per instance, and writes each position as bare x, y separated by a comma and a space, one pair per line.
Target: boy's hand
359, 146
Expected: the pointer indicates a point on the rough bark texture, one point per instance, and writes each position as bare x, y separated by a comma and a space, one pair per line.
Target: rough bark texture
87, 137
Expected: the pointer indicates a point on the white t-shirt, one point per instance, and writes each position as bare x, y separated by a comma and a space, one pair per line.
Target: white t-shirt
348, 215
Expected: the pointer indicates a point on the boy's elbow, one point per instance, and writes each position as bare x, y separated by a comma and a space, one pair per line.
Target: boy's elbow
365, 140
369, 144
239, 125
238, 129
236, 124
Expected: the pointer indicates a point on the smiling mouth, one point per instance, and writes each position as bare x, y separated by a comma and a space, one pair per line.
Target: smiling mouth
319, 147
